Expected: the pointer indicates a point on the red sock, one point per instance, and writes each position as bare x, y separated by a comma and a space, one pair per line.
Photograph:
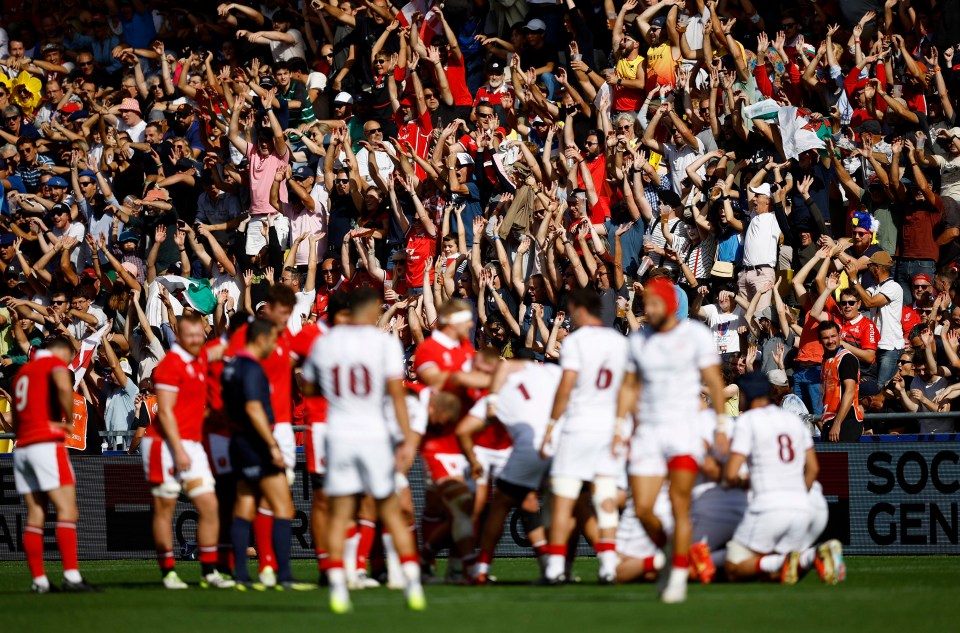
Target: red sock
557, 550
605, 546
409, 558
486, 557
322, 559
33, 547
166, 560
681, 561
67, 542
649, 565
208, 554
540, 548
263, 534
368, 531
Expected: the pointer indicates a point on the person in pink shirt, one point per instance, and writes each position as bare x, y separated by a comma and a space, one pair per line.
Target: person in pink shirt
268, 154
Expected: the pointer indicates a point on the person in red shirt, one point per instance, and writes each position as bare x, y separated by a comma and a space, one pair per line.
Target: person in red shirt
329, 282
922, 306
858, 334
42, 419
174, 459
444, 362
279, 369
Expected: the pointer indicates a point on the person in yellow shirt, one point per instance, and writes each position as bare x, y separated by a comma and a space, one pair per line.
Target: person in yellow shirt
660, 33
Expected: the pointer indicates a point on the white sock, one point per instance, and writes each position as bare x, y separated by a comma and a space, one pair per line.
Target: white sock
350, 547
411, 573
72, 575
555, 566
772, 563
807, 557
679, 575
481, 568
337, 577
42, 581
608, 562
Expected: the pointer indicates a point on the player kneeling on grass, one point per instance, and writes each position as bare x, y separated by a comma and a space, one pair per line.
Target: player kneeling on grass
640, 560
783, 467
256, 456
356, 366
42, 401
174, 458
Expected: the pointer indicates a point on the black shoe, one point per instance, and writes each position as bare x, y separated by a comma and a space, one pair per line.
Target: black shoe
543, 581
80, 587
35, 588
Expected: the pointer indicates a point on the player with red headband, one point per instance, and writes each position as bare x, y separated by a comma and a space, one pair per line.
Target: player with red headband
668, 361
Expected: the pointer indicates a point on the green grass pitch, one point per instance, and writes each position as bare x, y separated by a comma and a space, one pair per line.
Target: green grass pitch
903, 594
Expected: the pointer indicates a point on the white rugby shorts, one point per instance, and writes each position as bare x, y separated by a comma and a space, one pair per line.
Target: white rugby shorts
42, 467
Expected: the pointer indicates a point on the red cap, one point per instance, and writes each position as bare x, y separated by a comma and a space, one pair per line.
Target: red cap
89, 272
922, 277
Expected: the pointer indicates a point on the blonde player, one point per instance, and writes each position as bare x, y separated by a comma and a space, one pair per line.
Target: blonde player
593, 359
783, 466
355, 367
668, 361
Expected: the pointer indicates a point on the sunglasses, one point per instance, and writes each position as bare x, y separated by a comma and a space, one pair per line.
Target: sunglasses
904, 362
341, 181
860, 233
84, 64
848, 303
380, 61
58, 303
329, 56
484, 115
925, 310
429, 95
624, 127
371, 131
86, 183
11, 118
921, 286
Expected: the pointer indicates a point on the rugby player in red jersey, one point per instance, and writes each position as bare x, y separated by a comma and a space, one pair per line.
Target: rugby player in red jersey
42, 401
174, 459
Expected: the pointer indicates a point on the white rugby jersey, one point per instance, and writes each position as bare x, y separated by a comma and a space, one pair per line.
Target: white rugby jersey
352, 365
668, 365
524, 404
775, 443
599, 356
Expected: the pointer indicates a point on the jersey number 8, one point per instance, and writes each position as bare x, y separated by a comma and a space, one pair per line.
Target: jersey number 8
786, 448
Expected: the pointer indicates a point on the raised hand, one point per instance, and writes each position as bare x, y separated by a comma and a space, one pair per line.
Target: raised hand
160, 234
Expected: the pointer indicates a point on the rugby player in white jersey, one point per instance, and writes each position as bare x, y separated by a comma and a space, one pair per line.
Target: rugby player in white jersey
519, 398
355, 367
639, 558
593, 359
778, 449
668, 361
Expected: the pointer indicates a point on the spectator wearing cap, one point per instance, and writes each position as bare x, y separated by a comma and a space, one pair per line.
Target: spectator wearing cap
663, 52
130, 119
885, 301
125, 246
537, 55
32, 164
186, 126
627, 80
495, 91
53, 65
264, 158
920, 307
62, 234
784, 398
464, 191
8, 254
307, 210
760, 240
921, 210
284, 41
343, 113
412, 119
295, 94
861, 249
662, 229
53, 190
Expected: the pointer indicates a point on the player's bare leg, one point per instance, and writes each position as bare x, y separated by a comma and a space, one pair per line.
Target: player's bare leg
393, 521
682, 479
533, 525
458, 501
163, 508
492, 531
342, 510
64, 500
366, 529
395, 578
564, 495
319, 515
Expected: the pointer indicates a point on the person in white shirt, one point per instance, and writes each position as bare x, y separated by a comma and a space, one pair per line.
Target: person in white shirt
356, 367
760, 241
668, 362
777, 447
593, 359
726, 320
885, 301
285, 42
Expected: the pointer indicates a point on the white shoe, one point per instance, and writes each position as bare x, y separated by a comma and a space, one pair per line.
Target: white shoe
364, 581
217, 581
172, 581
675, 593
268, 578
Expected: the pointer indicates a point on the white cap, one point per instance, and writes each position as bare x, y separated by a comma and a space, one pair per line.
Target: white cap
778, 378
464, 158
343, 97
762, 190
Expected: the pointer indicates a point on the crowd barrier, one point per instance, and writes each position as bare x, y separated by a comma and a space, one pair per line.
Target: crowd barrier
895, 495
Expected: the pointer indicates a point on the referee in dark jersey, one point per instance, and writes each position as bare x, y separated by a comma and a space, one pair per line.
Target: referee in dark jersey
255, 456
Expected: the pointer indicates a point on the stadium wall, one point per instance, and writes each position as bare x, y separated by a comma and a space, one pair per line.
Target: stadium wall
885, 499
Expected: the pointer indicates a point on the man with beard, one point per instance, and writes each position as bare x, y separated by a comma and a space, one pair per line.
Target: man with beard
495, 90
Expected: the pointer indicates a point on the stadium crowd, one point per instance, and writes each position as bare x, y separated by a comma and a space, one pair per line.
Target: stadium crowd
778, 165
